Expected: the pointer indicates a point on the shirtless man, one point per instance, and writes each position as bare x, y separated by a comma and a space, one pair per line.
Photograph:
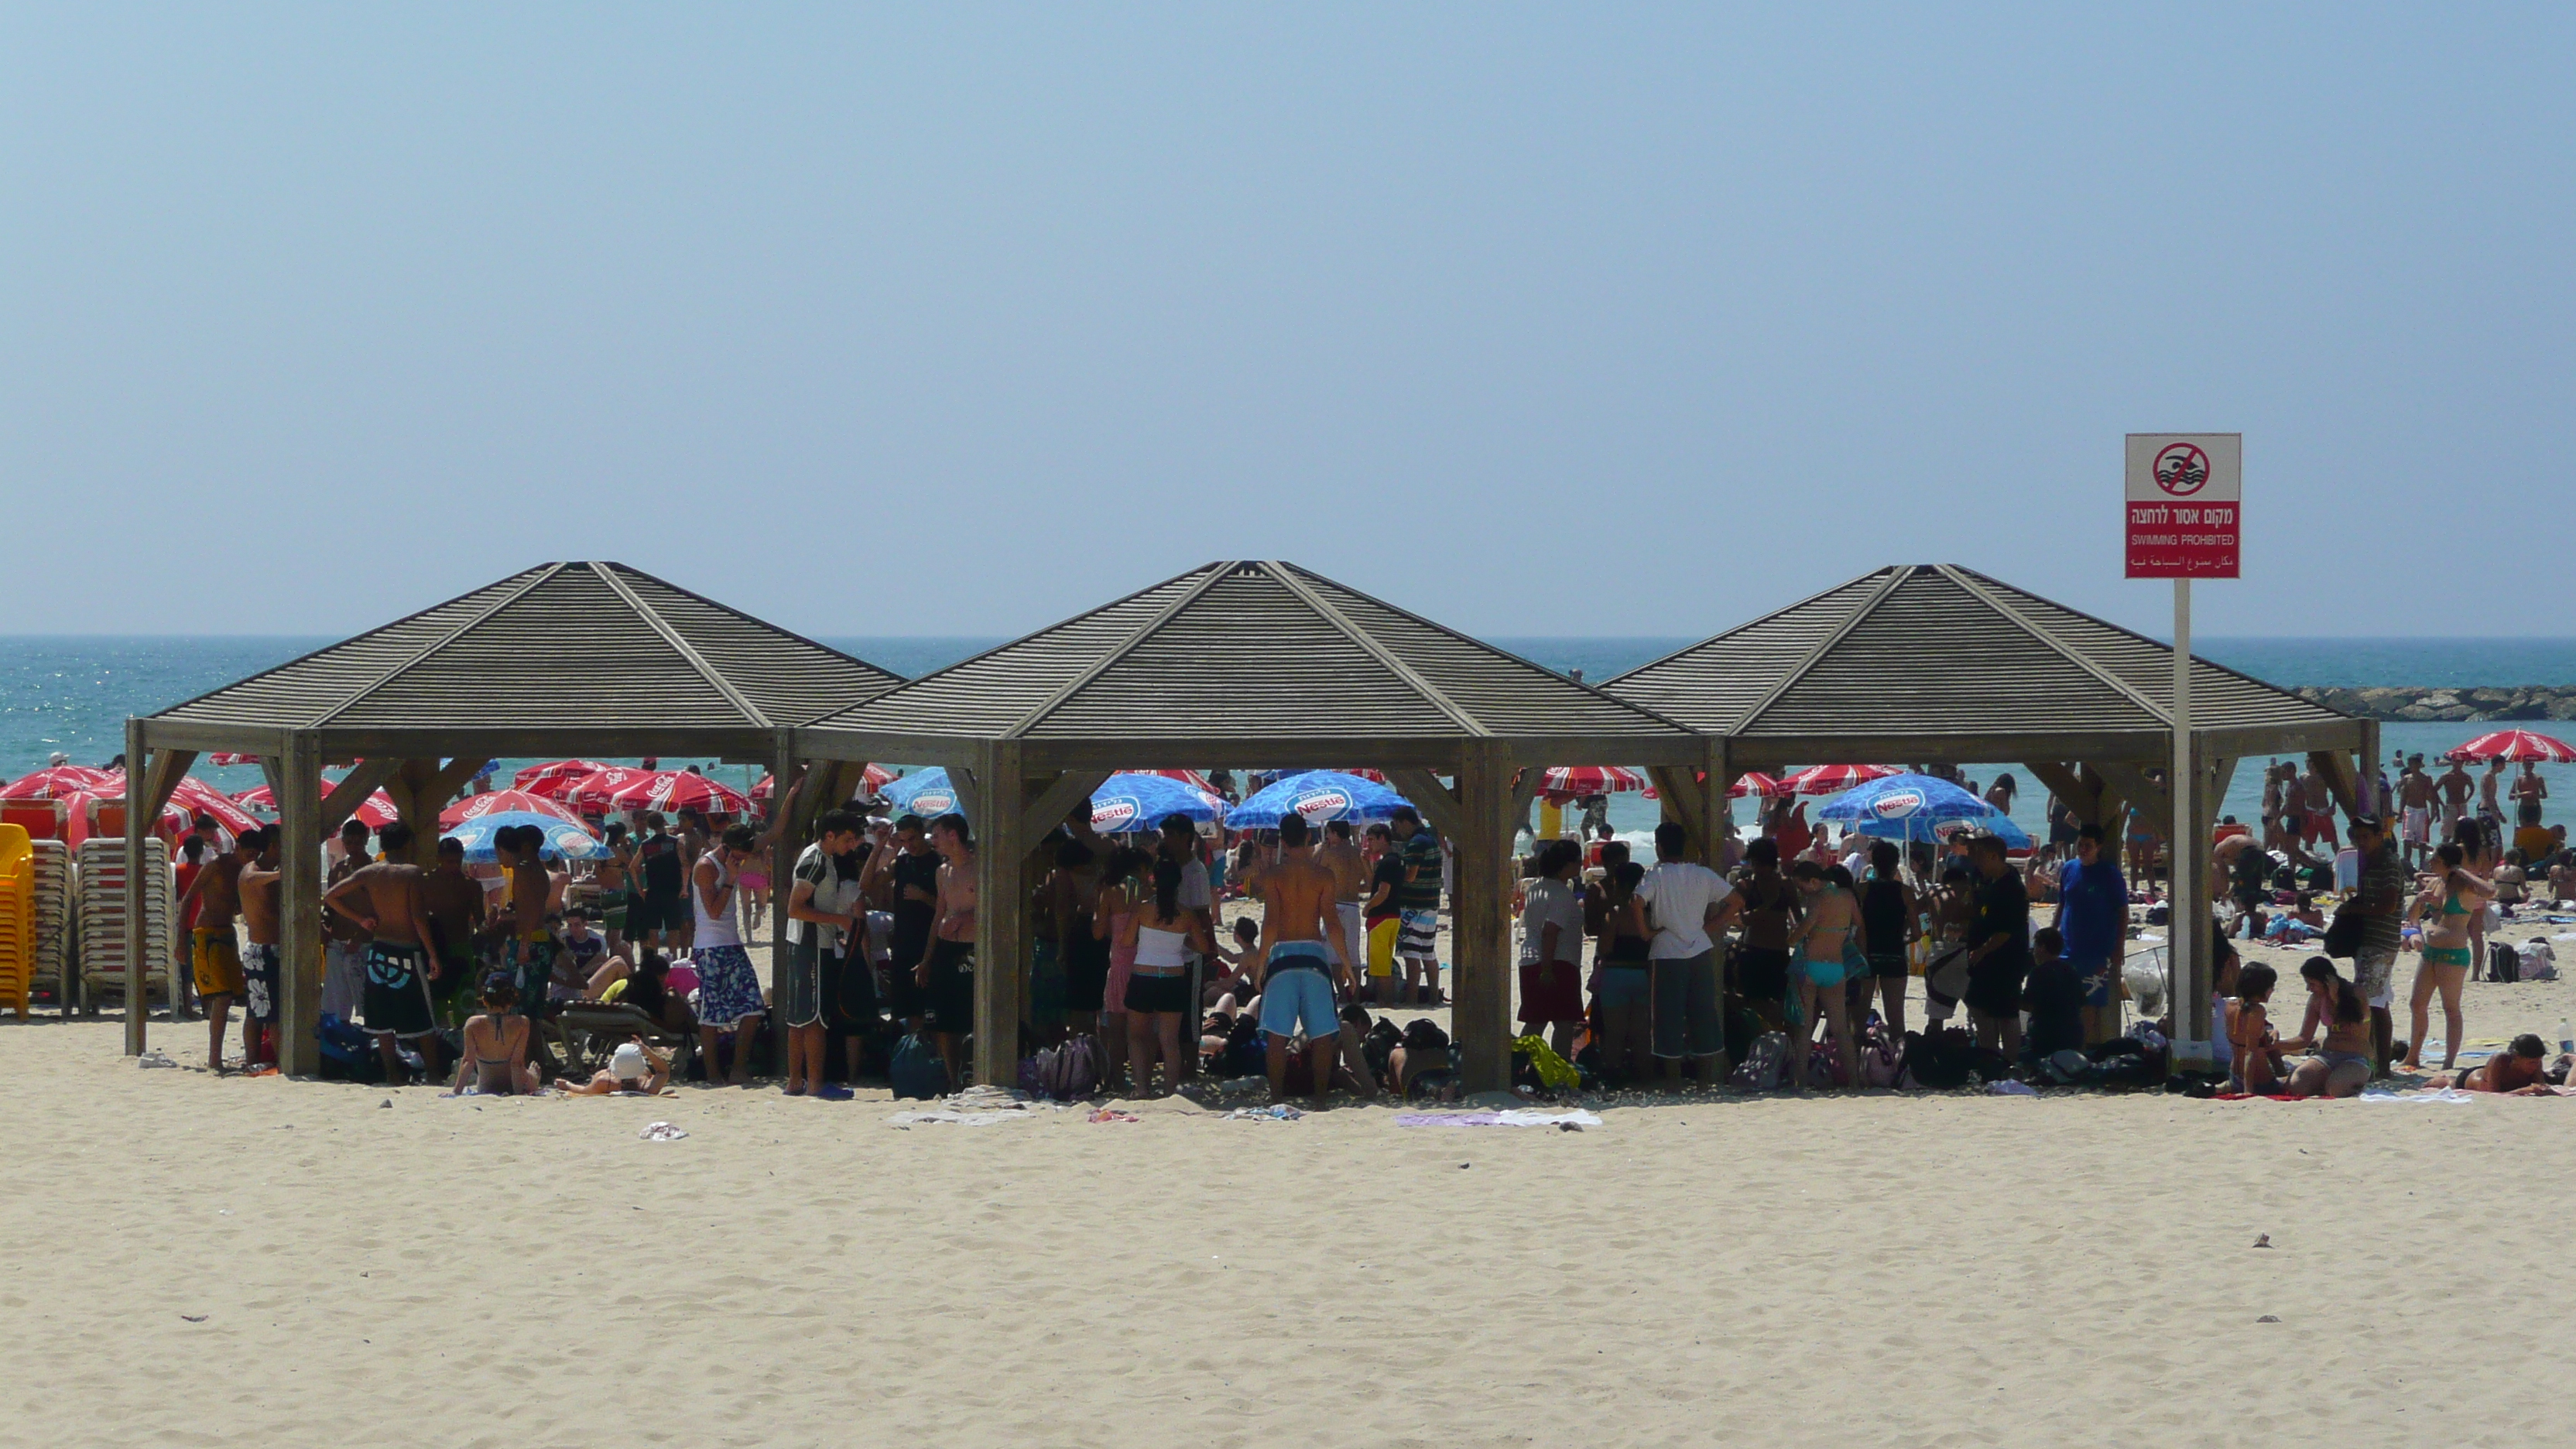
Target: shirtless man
2275, 804
2415, 806
1341, 855
455, 902
946, 973
260, 908
385, 900
2490, 809
1299, 913
2455, 788
344, 950
213, 954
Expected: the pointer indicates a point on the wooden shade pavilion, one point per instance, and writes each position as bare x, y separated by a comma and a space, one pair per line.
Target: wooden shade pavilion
559, 661
1244, 662
1936, 664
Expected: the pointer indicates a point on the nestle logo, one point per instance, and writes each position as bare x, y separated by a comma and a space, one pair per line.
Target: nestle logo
1322, 804
1896, 804
1114, 812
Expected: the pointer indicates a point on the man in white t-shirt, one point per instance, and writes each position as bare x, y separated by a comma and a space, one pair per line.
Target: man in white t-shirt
1688, 904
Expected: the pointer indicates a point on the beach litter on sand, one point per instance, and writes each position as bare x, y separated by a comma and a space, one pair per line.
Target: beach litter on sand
1516, 1117
662, 1132
1275, 1112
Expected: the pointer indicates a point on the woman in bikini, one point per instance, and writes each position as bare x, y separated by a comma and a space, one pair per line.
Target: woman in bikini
2452, 899
633, 1067
1818, 970
495, 1059
2338, 1010
2253, 1068
2519, 1071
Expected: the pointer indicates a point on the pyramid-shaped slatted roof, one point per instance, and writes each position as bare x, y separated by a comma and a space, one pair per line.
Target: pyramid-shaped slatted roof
1933, 649
1243, 649
560, 646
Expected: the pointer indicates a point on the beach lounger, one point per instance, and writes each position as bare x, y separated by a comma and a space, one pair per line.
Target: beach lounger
591, 1030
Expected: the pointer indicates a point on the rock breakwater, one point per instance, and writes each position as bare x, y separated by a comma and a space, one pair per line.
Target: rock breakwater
2528, 702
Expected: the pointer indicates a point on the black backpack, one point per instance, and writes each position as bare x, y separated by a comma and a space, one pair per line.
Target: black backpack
2503, 962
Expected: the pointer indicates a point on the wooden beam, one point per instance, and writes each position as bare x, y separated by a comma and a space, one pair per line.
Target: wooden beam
2341, 777
2082, 796
2141, 792
353, 790
1479, 919
299, 810
1056, 799
169, 767
1440, 809
1001, 947
2110, 802
1678, 790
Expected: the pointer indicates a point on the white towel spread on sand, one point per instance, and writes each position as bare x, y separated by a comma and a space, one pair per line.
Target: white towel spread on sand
662, 1132
974, 1107
1514, 1117
2447, 1094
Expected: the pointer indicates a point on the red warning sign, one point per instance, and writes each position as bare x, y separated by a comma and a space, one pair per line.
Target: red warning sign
2185, 505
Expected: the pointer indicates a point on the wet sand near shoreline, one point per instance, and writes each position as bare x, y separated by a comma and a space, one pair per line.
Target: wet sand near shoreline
1870, 1269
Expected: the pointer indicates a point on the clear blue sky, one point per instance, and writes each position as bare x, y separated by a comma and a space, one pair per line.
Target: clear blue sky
1536, 319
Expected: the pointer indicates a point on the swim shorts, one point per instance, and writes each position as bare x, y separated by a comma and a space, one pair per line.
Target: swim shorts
217, 961
1683, 1000
1418, 936
1296, 993
259, 979
397, 1001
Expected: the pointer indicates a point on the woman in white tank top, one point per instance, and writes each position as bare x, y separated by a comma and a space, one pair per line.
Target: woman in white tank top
1158, 1003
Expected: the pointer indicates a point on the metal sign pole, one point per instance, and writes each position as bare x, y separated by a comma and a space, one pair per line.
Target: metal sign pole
2184, 919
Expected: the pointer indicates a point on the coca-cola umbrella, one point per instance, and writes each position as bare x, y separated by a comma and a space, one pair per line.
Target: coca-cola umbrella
61, 782
504, 802
673, 790
2514, 745
554, 777
1832, 779
1754, 782
1575, 781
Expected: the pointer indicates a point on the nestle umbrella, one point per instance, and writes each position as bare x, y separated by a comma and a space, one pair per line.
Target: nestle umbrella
563, 841
2514, 745
1319, 796
1130, 802
925, 793
1919, 808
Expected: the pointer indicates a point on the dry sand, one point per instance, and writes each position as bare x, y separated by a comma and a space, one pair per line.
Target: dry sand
1881, 1269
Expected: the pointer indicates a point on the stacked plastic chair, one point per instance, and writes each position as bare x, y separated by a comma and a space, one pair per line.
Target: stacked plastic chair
17, 919
102, 920
53, 861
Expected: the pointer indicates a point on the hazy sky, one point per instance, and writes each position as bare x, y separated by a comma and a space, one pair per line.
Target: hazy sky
1567, 319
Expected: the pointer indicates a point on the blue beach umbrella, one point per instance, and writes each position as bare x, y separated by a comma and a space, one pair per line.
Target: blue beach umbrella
1919, 808
1126, 803
564, 840
1319, 795
925, 793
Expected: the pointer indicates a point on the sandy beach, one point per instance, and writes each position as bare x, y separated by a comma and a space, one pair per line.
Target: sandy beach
231, 1261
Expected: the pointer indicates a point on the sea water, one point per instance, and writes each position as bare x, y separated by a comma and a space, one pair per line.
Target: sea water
72, 693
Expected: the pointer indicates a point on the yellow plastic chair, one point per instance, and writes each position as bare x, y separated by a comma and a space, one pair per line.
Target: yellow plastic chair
17, 917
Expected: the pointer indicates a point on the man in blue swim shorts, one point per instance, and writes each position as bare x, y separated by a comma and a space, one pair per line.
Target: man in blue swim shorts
1297, 897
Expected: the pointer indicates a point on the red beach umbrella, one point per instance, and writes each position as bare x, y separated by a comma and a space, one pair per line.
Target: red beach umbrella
491, 802
1576, 780
2514, 745
671, 790
61, 783
554, 777
1828, 779
1754, 782
873, 778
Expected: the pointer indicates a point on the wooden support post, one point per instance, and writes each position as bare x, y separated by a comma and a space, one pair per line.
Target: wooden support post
1001, 881
299, 906
2368, 789
138, 834
794, 815
420, 789
2110, 806
1479, 919
2131, 781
